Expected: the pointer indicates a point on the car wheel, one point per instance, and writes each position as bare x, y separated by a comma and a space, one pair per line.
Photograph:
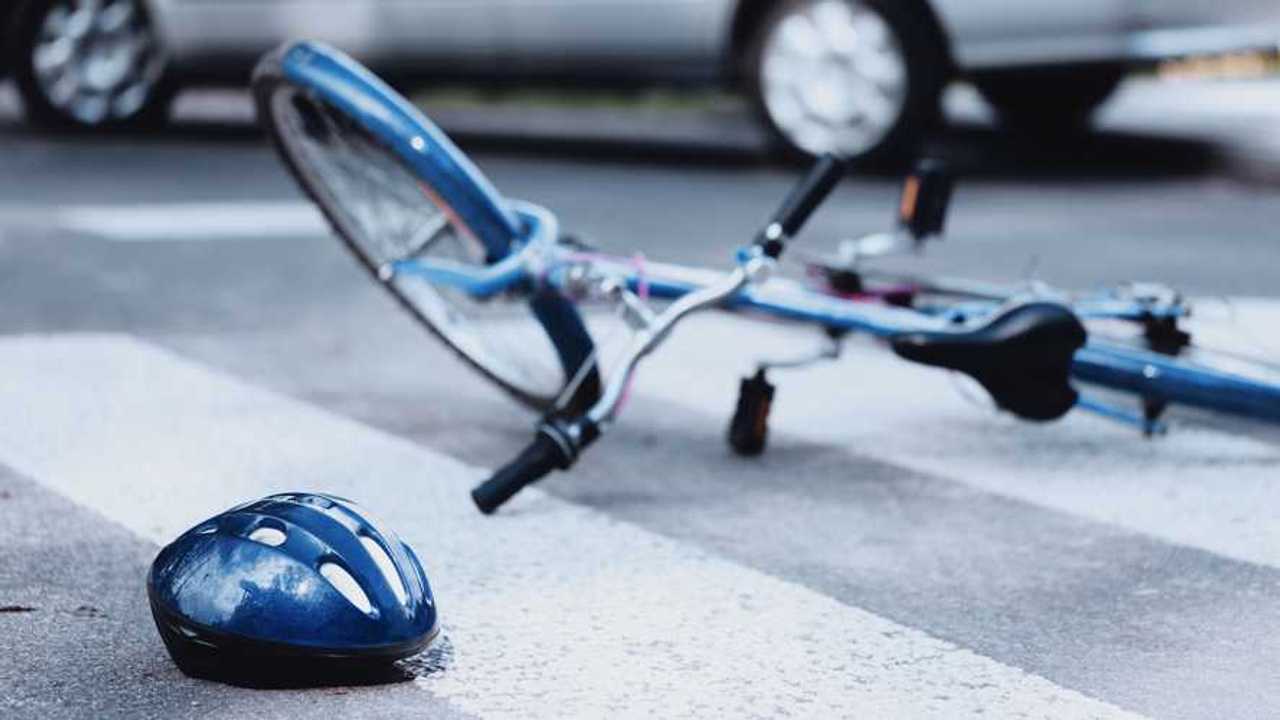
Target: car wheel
1050, 99
857, 78
5, 18
89, 63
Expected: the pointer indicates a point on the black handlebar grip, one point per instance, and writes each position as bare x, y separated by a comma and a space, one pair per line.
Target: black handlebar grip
535, 463
822, 178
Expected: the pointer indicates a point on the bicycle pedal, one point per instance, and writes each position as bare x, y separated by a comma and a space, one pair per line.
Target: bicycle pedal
926, 195
750, 425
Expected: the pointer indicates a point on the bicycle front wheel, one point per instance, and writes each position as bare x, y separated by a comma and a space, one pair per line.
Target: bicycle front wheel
395, 189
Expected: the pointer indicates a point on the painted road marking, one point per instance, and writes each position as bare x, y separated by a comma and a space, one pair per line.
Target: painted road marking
188, 222
554, 610
1196, 487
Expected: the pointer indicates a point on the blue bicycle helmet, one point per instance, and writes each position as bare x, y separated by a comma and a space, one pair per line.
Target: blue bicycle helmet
293, 581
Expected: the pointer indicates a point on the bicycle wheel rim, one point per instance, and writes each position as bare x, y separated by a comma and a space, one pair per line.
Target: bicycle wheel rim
498, 338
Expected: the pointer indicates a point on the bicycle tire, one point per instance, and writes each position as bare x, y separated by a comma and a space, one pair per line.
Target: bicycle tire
447, 180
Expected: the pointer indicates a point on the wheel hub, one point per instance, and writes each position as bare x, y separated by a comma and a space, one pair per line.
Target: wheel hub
107, 62
96, 59
825, 93
833, 77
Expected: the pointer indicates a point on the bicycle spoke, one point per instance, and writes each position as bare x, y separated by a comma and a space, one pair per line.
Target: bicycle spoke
388, 215
427, 236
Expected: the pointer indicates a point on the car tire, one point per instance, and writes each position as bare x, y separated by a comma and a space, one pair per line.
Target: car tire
6, 17
78, 69
813, 105
1052, 98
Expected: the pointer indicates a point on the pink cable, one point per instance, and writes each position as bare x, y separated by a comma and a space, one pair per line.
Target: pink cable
642, 283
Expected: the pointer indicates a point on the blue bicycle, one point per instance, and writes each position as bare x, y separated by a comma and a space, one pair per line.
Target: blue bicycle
495, 280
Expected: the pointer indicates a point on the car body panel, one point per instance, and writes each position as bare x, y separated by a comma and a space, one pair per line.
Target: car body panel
669, 30
1176, 14
986, 33
989, 34
1192, 27
384, 32
666, 39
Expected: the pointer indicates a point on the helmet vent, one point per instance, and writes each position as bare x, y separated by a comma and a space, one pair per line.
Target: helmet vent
342, 516
388, 568
342, 581
268, 536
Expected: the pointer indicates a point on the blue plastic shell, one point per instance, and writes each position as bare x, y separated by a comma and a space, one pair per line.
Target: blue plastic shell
217, 587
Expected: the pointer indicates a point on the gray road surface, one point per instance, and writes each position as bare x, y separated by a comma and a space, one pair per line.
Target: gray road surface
1144, 576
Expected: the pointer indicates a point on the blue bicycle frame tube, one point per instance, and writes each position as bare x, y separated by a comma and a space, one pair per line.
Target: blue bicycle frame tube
540, 230
1177, 381
1122, 415
782, 298
1108, 364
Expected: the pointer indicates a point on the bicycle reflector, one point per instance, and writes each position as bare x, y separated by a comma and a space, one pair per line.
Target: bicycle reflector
297, 585
926, 195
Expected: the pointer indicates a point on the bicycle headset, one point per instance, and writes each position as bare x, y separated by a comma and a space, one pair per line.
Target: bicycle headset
296, 577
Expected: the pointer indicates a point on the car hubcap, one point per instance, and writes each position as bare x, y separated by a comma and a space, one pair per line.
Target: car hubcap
833, 77
97, 60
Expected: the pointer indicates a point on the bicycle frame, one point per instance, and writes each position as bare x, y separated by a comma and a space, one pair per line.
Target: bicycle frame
1024, 346
542, 260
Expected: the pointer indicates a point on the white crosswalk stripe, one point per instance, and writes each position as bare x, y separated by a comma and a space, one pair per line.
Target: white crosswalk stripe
193, 222
554, 610
1196, 487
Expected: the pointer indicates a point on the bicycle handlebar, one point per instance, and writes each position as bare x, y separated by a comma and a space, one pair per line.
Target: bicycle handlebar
535, 463
559, 441
822, 178
555, 447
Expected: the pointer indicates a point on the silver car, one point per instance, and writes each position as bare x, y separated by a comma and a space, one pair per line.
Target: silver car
861, 78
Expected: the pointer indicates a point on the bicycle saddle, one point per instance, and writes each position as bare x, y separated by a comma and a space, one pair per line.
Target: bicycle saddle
1021, 356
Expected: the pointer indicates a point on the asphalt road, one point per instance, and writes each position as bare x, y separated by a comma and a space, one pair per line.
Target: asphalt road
1076, 571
